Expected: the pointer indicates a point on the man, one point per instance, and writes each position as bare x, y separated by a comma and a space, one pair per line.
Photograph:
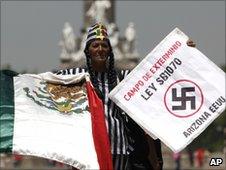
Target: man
129, 144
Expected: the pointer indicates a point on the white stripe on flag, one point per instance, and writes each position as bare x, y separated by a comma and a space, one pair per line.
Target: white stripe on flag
44, 132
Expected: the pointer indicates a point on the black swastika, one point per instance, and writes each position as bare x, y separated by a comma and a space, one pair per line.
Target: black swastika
183, 99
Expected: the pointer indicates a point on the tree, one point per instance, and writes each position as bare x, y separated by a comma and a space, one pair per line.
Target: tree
212, 138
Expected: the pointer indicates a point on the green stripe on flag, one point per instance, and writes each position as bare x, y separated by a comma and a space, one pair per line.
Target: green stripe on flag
6, 110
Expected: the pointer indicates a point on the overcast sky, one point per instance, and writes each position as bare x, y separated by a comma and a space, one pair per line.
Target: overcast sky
31, 31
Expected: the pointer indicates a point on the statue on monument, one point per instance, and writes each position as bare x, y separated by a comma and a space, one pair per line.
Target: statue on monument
114, 39
97, 11
130, 37
68, 44
80, 54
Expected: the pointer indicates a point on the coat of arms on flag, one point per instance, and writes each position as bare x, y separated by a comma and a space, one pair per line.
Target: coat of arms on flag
64, 98
56, 117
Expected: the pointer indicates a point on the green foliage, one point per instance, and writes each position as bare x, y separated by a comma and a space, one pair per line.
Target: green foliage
223, 68
212, 138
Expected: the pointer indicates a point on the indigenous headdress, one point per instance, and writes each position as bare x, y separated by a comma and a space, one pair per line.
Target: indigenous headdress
97, 31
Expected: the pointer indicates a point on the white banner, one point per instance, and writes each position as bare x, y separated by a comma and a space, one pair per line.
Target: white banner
174, 93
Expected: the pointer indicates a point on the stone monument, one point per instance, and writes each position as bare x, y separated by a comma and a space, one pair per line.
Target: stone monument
124, 47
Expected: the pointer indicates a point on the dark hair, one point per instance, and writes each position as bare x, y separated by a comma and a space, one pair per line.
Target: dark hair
111, 72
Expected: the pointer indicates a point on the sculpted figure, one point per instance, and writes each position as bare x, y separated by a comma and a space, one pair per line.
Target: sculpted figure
97, 11
68, 43
130, 35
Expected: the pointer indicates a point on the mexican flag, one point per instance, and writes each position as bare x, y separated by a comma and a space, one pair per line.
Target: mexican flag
58, 117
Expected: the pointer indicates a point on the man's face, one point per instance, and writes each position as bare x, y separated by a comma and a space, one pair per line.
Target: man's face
99, 52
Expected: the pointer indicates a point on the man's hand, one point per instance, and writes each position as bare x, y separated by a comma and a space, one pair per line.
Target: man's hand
190, 43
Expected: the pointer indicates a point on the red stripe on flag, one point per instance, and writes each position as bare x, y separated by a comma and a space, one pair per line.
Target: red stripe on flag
99, 129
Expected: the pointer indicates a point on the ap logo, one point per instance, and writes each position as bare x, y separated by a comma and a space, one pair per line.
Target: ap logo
183, 98
216, 161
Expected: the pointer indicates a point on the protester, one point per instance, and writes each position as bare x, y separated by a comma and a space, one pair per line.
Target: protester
17, 160
199, 156
190, 156
129, 143
177, 159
